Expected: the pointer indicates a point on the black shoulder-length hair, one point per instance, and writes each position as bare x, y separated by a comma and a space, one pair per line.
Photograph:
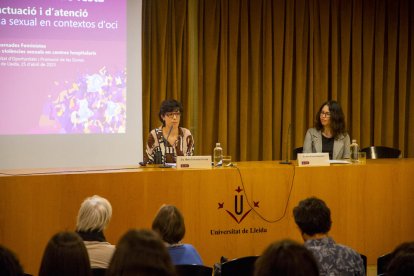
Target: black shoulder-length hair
286, 257
65, 255
337, 118
141, 252
9, 263
170, 105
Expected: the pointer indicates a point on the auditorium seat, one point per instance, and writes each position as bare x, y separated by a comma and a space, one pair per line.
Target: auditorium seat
375, 152
382, 263
193, 270
364, 260
243, 266
98, 271
295, 152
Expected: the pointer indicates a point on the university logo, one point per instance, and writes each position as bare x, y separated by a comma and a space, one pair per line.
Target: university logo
238, 214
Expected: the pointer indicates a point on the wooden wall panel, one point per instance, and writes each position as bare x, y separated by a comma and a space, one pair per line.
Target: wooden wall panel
370, 205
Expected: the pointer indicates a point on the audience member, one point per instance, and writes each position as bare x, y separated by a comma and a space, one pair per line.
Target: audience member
65, 255
93, 217
402, 262
313, 218
286, 258
9, 264
140, 252
169, 223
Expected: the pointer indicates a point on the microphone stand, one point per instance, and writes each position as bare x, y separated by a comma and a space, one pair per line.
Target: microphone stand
287, 161
165, 143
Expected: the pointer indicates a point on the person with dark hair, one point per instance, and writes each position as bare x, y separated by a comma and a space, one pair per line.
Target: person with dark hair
329, 134
140, 252
93, 217
313, 218
9, 264
169, 140
286, 257
65, 255
169, 224
402, 261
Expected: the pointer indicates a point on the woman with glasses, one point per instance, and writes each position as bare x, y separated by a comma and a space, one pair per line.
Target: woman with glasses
169, 140
329, 134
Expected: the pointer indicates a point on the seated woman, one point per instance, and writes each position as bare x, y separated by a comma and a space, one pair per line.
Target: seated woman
140, 252
169, 140
329, 134
286, 258
93, 217
65, 255
169, 223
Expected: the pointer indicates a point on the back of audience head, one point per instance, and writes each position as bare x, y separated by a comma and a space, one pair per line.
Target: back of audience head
141, 252
312, 216
9, 264
286, 258
94, 214
65, 255
169, 224
402, 262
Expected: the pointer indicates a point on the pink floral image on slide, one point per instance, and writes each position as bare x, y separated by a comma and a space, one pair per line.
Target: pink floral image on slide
94, 103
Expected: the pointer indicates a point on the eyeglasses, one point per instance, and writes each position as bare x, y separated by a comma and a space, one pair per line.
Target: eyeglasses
326, 114
172, 114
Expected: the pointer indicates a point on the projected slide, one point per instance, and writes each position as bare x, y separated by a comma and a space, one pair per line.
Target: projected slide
62, 67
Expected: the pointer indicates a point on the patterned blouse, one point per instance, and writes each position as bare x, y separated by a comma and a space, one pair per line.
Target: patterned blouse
335, 259
160, 151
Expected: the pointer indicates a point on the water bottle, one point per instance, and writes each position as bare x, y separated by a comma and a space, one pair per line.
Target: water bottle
218, 155
354, 151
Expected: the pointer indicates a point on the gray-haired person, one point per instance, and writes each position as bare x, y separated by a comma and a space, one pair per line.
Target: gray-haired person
93, 217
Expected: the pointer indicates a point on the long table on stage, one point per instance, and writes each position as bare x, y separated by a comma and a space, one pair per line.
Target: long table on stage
230, 212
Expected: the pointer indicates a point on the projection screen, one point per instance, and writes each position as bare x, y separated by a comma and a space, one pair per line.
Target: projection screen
70, 83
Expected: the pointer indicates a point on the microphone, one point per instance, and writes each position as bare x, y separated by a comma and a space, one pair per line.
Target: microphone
169, 132
165, 143
287, 161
